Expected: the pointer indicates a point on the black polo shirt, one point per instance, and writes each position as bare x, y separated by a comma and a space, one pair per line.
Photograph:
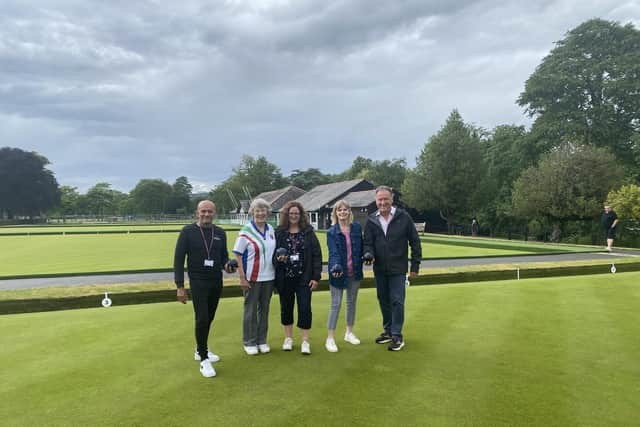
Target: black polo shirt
608, 219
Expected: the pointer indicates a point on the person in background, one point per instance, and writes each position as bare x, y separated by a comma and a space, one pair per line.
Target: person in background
254, 249
205, 247
297, 273
609, 222
474, 227
344, 241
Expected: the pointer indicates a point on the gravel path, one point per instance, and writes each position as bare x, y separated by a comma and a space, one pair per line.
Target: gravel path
457, 262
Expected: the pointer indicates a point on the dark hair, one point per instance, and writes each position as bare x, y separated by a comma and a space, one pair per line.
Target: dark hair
284, 215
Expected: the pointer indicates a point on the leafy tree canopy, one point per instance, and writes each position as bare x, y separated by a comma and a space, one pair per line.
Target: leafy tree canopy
448, 172
27, 187
587, 90
569, 183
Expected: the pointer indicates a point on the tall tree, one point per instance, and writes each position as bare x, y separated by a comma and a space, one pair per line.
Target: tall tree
380, 172
102, 200
27, 187
255, 175
508, 150
150, 196
180, 200
69, 201
626, 201
307, 179
569, 183
448, 172
587, 90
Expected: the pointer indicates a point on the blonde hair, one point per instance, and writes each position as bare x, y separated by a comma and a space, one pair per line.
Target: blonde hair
334, 211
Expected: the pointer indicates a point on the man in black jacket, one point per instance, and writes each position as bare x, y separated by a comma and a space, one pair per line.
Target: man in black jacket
205, 247
387, 234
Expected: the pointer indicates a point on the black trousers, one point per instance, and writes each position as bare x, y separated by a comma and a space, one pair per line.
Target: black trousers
292, 288
205, 295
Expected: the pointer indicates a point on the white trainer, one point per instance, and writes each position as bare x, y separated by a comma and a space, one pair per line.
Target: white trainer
331, 346
264, 348
350, 338
251, 350
212, 357
206, 369
305, 348
287, 345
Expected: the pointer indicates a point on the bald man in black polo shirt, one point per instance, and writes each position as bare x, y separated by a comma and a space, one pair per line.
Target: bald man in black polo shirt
205, 247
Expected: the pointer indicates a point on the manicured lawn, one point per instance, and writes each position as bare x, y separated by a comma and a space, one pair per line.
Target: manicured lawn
107, 228
536, 352
59, 254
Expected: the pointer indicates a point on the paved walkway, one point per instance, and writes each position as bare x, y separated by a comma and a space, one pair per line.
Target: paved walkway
451, 262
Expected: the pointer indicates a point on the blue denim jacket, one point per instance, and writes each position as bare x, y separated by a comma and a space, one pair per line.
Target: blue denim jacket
337, 245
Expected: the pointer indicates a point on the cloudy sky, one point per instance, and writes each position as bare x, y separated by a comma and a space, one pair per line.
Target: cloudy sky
122, 90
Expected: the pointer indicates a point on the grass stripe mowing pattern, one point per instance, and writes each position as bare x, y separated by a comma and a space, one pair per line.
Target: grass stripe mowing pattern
58, 254
531, 352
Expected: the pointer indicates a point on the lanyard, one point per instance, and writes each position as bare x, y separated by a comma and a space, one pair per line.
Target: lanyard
207, 247
295, 239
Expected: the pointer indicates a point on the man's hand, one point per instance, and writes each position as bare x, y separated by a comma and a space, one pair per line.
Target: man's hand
182, 295
313, 284
413, 274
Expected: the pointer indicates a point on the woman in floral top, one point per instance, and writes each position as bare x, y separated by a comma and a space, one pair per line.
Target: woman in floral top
297, 272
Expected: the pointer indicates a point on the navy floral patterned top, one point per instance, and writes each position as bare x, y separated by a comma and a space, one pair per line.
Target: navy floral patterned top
295, 246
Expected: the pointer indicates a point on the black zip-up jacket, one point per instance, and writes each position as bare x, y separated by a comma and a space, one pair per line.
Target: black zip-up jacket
391, 251
191, 245
312, 257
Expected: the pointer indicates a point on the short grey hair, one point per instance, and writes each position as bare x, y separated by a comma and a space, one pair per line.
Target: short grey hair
380, 188
259, 204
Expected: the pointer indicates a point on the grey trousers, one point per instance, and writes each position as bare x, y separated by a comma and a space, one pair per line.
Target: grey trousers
255, 321
336, 302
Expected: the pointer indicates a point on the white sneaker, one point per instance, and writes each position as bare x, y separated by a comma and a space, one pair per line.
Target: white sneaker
331, 346
251, 350
305, 348
287, 345
212, 357
206, 369
350, 338
264, 348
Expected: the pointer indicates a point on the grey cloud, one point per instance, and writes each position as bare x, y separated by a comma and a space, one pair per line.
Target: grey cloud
122, 90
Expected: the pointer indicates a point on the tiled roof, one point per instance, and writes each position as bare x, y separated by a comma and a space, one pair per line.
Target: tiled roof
277, 198
360, 199
326, 194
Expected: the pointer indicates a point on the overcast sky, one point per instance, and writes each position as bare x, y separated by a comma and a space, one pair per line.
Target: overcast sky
122, 90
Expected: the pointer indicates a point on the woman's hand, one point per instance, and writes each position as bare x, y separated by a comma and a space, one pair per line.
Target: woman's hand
244, 284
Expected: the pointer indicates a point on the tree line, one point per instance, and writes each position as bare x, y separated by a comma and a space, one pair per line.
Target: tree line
582, 148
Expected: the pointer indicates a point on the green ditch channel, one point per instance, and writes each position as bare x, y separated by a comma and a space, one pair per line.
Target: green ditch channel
147, 297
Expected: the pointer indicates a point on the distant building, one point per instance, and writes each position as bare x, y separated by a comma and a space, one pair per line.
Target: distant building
362, 204
319, 201
278, 198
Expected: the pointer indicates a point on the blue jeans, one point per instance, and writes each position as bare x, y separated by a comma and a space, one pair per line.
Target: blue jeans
391, 293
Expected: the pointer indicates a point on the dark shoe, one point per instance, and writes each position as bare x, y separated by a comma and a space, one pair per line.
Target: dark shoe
396, 344
383, 338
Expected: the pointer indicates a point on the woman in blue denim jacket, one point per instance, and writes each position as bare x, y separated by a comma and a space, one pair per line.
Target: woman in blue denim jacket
344, 240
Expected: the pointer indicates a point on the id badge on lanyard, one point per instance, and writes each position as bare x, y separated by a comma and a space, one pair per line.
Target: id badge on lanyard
208, 262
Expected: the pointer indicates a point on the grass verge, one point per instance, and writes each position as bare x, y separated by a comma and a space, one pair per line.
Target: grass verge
534, 352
